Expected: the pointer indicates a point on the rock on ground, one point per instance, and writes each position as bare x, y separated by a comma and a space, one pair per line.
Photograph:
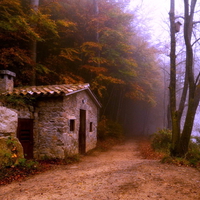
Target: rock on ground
8, 120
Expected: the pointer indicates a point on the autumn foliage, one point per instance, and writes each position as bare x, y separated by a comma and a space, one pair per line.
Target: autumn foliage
76, 44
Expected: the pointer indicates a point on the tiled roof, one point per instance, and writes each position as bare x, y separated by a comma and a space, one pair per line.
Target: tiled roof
49, 90
53, 90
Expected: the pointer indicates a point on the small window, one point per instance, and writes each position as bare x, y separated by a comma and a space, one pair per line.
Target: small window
9, 77
91, 126
1, 76
72, 124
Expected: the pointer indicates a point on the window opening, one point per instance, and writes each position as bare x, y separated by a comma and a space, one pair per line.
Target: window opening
72, 124
91, 126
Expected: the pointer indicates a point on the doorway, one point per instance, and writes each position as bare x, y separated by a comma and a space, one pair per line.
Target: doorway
25, 136
82, 132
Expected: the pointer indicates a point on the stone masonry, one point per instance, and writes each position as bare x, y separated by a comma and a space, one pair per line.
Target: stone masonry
52, 135
6, 81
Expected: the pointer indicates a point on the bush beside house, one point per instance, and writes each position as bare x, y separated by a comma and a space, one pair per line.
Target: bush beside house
11, 150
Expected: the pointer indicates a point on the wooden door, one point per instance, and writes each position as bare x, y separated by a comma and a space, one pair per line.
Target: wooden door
82, 132
25, 136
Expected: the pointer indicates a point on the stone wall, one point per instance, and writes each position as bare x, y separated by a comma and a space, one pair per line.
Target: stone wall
26, 112
91, 139
72, 106
49, 123
6, 81
52, 135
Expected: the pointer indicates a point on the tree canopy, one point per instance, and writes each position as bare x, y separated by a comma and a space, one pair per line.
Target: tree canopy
76, 42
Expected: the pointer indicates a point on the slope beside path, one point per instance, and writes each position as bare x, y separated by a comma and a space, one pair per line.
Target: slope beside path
120, 173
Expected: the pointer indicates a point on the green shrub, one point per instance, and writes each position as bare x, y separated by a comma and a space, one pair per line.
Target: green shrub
193, 154
10, 141
192, 158
161, 141
28, 165
109, 129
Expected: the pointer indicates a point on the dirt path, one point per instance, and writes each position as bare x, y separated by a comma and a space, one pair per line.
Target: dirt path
118, 174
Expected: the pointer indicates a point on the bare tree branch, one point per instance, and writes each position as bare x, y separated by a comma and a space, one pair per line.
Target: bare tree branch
197, 79
195, 41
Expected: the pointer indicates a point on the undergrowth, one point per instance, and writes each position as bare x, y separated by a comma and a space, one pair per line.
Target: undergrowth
27, 168
161, 142
109, 130
20, 171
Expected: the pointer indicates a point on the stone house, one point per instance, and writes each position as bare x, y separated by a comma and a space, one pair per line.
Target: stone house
61, 122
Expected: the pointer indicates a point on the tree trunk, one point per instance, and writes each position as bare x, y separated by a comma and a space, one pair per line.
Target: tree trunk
187, 130
33, 45
96, 11
188, 125
180, 141
175, 117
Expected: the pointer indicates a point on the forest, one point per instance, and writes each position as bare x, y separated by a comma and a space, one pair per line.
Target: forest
50, 42
106, 43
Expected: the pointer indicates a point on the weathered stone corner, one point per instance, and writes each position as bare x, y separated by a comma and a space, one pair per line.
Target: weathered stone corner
8, 121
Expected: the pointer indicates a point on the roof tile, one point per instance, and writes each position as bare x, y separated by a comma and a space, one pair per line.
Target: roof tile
53, 90
49, 89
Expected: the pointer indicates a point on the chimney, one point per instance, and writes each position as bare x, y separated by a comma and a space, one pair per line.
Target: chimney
6, 81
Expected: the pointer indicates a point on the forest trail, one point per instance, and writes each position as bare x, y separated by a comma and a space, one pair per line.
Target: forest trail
120, 173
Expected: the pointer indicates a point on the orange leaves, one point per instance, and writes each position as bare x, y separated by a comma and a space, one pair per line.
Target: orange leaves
90, 48
91, 51
71, 54
71, 78
95, 70
75, 44
42, 24
10, 6
138, 92
13, 56
24, 25
97, 60
135, 92
109, 79
66, 24
100, 82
